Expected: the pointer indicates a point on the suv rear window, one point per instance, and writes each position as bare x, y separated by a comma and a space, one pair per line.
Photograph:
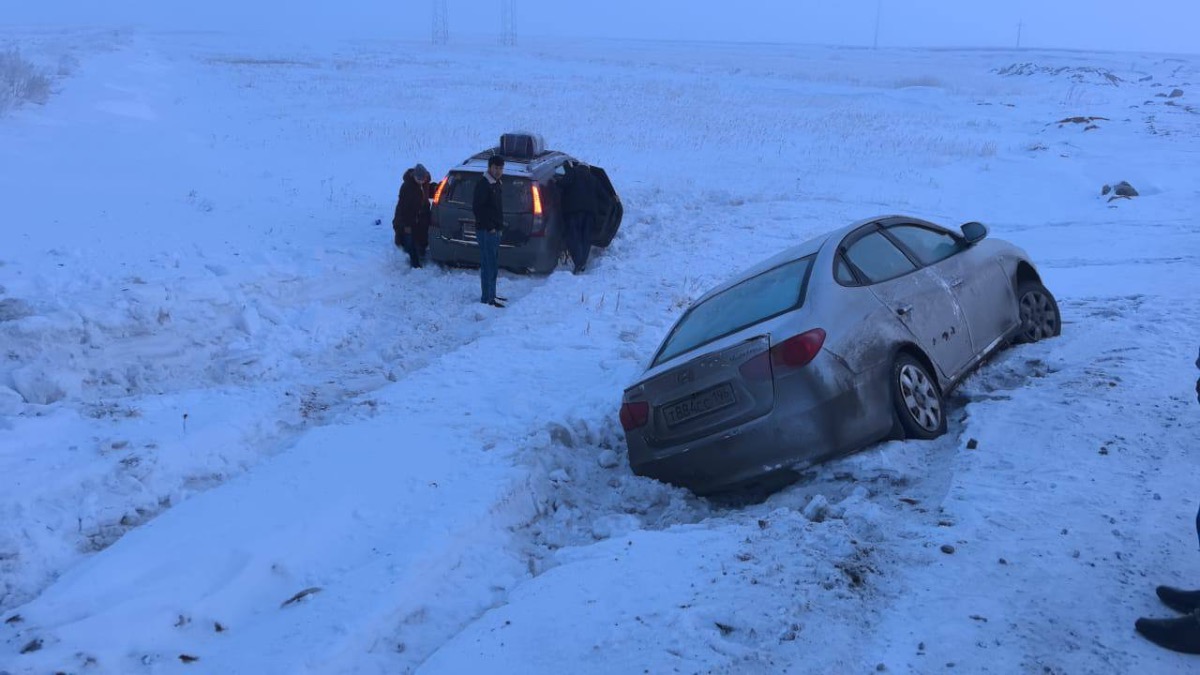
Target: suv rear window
518, 197
755, 300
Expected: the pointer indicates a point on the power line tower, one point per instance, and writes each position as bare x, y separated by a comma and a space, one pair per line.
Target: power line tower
508, 22
878, 15
441, 23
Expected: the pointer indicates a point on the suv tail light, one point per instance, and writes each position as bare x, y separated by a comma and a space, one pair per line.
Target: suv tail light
634, 415
539, 224
794, 352
437, 195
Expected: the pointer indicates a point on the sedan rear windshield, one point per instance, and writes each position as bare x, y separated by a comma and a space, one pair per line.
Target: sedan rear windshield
515, 192
778, 290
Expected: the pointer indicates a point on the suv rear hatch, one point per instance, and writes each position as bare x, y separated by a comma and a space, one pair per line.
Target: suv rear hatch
522, 197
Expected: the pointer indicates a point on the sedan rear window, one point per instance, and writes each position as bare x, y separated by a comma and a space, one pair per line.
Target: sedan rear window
765, 296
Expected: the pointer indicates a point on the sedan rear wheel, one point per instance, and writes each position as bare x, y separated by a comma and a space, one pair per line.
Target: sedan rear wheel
1039, 313
918, 400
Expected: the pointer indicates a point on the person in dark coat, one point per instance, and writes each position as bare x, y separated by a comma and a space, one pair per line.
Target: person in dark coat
1180, 634
582, 196
488, 208
411, 222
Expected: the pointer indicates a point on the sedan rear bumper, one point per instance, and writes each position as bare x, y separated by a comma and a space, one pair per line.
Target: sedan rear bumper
737, 456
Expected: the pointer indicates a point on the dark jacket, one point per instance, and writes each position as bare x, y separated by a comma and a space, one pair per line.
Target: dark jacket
581, 192
488, 205
412, 210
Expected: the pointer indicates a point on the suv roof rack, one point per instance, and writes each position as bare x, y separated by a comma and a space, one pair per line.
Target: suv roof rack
530, 163
490, 152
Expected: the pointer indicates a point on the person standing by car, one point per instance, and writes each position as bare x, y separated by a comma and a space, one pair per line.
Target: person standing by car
1180, 634
411, 221
488, 208
581, 198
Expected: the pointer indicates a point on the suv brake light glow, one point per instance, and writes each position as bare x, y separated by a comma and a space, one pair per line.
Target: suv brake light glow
539, 225
437, 195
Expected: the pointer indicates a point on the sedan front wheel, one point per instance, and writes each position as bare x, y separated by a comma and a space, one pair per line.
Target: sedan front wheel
1039, 313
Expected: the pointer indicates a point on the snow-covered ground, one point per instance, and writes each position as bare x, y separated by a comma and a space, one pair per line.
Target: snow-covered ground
239, 435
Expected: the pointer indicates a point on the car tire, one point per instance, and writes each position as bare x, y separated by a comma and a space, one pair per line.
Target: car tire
919, 405
1038, 311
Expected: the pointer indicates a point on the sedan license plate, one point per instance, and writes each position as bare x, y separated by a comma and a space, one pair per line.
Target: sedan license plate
468, 228
700, 404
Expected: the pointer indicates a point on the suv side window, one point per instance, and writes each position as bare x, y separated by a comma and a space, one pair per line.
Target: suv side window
878, 259
928, 245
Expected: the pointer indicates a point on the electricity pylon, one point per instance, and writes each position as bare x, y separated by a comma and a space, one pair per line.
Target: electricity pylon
508, 22
441, 23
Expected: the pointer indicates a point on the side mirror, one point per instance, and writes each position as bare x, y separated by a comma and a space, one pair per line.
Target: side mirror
974, 232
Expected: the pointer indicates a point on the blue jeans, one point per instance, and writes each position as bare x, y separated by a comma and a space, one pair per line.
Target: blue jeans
489, 259
579, 236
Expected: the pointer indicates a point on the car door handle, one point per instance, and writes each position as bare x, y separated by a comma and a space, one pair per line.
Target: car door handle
904, 310
956, 282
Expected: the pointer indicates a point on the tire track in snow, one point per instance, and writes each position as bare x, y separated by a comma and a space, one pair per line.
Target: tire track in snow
296, 353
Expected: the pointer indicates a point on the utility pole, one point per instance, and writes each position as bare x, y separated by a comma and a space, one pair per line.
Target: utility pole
508, 22
441, 23
878, 14
1020, 25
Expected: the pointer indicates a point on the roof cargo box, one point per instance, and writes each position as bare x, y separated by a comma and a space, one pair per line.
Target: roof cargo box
522, 144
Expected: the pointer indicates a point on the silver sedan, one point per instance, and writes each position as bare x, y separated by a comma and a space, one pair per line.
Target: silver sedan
850, 338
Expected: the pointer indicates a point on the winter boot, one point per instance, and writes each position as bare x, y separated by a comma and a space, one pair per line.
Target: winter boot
1184, 602
1178, 635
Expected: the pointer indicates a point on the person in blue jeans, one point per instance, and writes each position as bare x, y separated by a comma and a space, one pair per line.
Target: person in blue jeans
488, 207
1180, 634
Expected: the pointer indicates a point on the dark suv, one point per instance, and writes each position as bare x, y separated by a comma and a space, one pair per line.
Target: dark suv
533, 220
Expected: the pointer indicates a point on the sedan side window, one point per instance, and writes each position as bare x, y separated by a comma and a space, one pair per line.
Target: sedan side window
878, 258
842, 272
928, 245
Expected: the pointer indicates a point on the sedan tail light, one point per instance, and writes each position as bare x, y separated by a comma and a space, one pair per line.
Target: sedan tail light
798, 351
634, 415
437, 195
794, 352
757, 368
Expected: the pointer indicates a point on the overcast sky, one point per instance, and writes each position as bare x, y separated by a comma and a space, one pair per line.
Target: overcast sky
1146, 25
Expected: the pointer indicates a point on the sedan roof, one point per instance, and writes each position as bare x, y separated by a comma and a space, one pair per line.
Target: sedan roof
806, 248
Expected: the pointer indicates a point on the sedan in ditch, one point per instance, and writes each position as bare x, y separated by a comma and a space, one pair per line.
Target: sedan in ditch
850, 338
